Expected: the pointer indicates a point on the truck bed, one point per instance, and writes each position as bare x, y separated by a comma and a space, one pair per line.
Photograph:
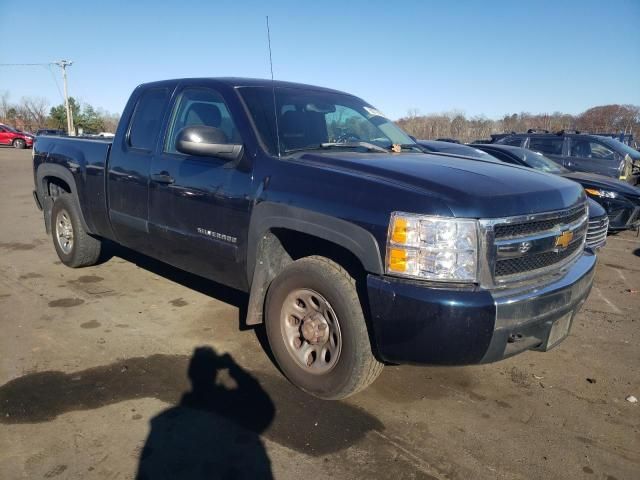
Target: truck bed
86, 159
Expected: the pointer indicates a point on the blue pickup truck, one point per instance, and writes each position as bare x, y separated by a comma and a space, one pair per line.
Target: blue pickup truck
356, 248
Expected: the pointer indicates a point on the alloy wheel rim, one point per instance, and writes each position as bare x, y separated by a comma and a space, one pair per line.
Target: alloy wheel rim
64, 232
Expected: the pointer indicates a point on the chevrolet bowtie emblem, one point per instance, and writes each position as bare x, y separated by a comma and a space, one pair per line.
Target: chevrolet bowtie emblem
564, 239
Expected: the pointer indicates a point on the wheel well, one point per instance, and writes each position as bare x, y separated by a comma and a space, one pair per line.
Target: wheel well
55, 186
279, 247
298, 245
295, 245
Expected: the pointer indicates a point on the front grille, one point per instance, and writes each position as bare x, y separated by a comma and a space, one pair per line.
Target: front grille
532, 245
507, 230
528, 263
597, 232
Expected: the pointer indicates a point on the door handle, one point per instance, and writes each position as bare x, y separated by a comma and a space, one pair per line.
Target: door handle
163, 178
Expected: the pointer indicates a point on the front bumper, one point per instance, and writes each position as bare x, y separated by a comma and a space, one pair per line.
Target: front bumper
419, 324
623, 213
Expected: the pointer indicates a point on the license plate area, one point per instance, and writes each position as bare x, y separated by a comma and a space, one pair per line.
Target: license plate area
559, 330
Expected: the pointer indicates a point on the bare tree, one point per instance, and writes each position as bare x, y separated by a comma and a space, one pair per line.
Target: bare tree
36, 110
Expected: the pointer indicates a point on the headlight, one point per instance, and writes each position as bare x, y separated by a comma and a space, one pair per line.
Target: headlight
601, 193
432, 248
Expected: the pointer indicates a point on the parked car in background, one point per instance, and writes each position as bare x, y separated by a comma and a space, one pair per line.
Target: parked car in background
450, 140
453, 148
626, 138
582, 153
356, 248
598, 220
15, 138
51, 131
619, 199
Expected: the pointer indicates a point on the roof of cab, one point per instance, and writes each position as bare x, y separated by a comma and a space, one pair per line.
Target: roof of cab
246, 82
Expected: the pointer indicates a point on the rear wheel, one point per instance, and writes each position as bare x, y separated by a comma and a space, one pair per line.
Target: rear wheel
317, 330
74, 246
19, 143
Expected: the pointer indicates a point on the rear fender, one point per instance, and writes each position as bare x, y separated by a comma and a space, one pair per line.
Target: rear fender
46, 171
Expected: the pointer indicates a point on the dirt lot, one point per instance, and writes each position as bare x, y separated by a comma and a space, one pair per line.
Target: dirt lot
95, 382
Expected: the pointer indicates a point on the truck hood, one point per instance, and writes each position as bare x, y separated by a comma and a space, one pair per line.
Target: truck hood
592, 180
470, 188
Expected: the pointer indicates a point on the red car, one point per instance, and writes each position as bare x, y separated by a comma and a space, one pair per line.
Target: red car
11, 136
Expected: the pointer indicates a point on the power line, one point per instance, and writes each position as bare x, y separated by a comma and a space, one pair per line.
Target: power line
63, 64
49, 67
25, 64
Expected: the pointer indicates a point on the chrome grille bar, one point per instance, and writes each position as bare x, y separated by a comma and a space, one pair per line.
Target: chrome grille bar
518, 249
597, 232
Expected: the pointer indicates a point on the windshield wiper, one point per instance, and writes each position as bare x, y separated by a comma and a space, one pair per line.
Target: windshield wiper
369, 146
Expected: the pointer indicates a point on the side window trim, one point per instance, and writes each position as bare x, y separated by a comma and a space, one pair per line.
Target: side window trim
175, 105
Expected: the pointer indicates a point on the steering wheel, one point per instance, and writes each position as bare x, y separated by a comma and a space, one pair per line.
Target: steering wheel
348, 137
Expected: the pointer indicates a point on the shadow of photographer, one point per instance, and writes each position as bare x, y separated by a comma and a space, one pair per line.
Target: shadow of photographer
214, 431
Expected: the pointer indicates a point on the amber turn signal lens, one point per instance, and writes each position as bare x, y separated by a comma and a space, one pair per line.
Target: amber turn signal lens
397, 260
399, 231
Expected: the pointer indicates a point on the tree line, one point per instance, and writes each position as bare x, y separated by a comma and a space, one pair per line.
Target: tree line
601, 119
33, 113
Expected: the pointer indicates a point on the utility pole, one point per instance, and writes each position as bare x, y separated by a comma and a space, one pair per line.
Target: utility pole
63, 64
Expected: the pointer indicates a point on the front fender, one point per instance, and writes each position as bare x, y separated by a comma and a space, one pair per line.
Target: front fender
357, 240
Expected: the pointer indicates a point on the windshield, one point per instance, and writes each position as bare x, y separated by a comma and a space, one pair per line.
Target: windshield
621, 147
11, 129
538, 161
314, 120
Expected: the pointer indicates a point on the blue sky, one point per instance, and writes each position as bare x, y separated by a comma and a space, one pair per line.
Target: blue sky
478, 57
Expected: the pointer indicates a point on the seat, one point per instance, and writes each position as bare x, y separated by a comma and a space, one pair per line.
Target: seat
206, 114
581, 149
300, 129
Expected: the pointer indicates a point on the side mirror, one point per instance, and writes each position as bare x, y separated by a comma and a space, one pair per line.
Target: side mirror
208, 142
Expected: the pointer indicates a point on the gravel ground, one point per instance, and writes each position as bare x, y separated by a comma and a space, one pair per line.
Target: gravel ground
101, 377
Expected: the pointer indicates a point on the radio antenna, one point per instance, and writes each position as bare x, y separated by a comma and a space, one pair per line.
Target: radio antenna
273, 87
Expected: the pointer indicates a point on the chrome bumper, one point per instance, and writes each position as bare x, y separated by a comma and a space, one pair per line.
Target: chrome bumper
525, 317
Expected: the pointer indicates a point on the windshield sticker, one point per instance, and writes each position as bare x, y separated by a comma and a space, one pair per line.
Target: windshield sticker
374, 112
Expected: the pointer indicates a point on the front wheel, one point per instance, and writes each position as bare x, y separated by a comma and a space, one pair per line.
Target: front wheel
317, 331
19, 143
74, 246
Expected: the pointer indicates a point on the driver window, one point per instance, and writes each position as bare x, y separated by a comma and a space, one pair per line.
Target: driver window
201, 106
600, 151
587, 149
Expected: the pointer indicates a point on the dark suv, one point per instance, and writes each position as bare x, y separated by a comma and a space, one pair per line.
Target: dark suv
582, 152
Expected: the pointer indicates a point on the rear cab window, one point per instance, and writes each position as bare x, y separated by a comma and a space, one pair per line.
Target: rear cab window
546, 145
147, 118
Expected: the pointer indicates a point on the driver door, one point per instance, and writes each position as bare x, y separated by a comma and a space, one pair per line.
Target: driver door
198, 205
591, 156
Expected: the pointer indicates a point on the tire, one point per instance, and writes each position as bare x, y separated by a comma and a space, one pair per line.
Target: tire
19, 143
74, 246
342, 362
